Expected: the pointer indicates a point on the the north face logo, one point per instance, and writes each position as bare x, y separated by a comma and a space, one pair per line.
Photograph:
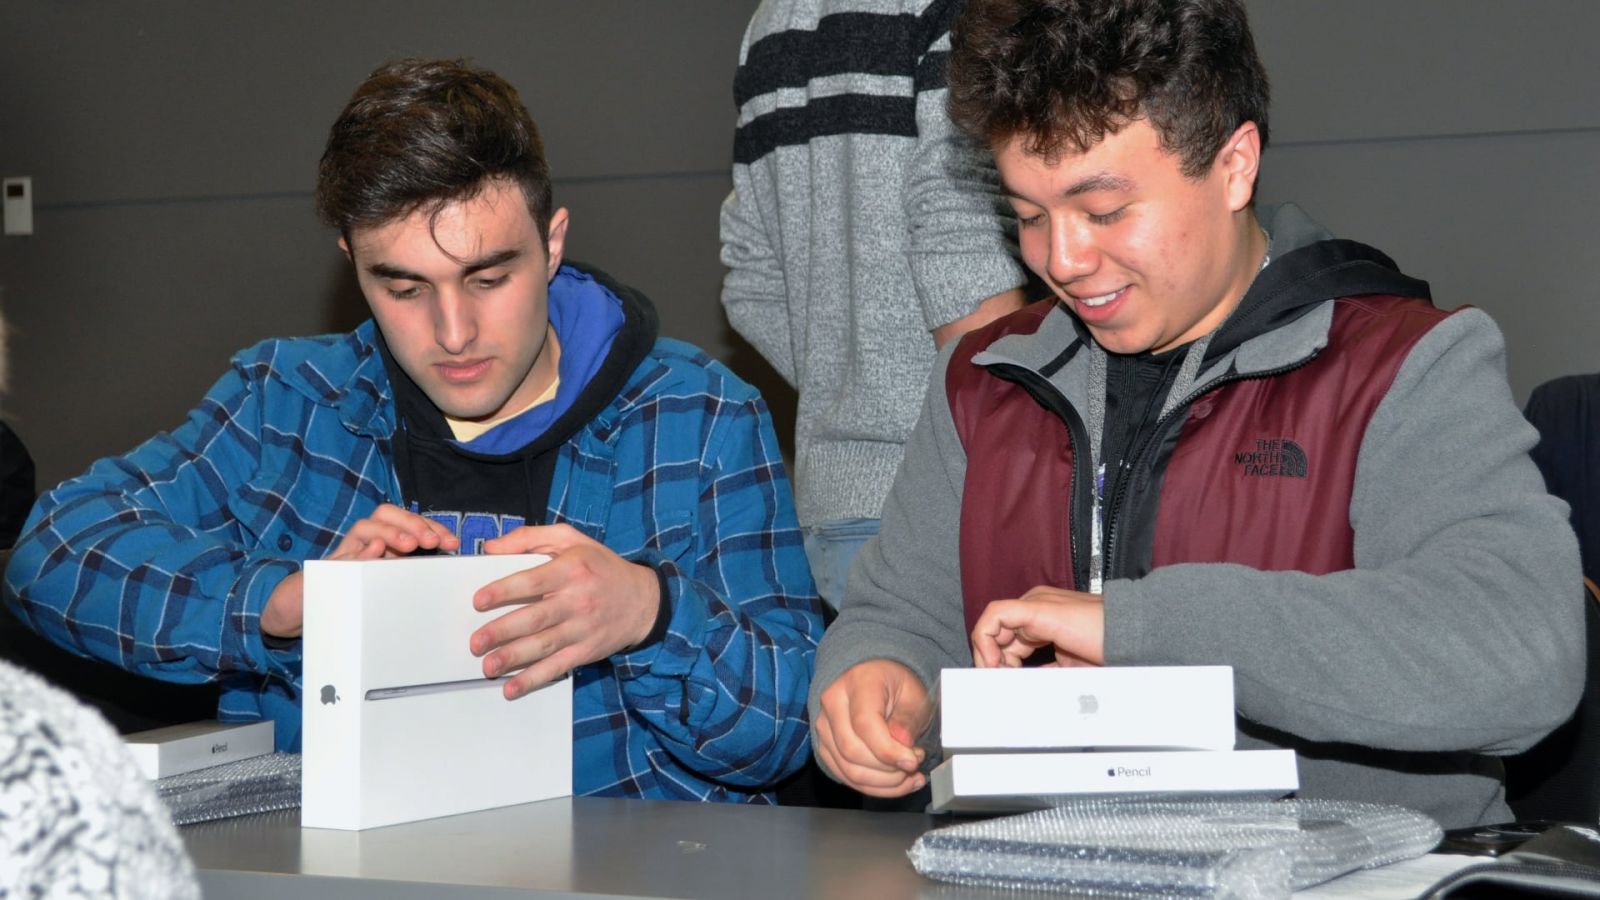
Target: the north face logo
1272, 458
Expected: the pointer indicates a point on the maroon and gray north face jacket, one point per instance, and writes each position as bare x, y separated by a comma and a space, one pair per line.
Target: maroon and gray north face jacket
1342, 509
1253, 468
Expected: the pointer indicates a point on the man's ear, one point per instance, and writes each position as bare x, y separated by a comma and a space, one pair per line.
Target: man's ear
344, 246
1240, 161
557, 241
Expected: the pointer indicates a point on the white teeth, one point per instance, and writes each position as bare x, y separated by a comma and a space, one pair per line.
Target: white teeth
1101, 300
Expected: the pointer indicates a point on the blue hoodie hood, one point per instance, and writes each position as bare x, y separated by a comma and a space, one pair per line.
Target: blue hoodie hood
586, 317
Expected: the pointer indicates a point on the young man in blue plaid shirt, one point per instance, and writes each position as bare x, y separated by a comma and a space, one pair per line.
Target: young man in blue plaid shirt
497, 402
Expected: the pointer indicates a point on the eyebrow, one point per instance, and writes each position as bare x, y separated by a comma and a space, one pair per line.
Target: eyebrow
469, 267
1099, 181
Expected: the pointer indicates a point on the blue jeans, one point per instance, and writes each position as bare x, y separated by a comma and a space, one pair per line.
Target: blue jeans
830, 548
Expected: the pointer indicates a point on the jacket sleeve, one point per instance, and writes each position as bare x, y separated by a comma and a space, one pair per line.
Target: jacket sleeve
138, 561
1461, 625
724, 689
961, 233
904, 597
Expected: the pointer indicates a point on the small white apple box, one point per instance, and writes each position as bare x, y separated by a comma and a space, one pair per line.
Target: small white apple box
399, 722
191, 746
1086, 708
1016, 782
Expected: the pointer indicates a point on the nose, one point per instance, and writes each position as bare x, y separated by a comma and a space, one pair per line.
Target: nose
1073, 253
455, 323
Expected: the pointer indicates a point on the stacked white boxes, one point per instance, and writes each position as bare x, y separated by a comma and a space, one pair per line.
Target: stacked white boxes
1017, 739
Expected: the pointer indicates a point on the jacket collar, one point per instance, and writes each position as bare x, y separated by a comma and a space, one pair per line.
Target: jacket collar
344, 372
1054, 351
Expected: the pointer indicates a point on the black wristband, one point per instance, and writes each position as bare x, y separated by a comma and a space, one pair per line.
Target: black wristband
273, 642
663, 613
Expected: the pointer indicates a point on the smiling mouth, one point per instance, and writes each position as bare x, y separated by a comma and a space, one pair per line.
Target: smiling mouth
1099, 300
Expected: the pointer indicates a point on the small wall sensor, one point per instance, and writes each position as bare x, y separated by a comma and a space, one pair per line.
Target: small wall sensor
17, 194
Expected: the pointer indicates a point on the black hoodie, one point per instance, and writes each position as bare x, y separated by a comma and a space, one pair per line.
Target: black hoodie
437, 475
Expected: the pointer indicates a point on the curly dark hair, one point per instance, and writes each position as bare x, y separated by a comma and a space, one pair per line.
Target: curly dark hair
421, 134
1062, 74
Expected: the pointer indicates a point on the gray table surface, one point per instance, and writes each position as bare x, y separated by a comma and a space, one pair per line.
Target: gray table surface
599, 848
575, 847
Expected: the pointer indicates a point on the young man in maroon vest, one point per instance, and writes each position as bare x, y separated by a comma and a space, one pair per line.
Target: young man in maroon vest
1227, 439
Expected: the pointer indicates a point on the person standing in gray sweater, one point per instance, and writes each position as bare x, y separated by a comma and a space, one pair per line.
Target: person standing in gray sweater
862, 233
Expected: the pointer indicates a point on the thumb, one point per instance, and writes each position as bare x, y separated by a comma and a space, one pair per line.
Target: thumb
905, 734
909, 719
547, 539
900, 730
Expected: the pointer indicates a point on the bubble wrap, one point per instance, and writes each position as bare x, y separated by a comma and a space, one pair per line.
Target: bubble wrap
1175, 848
258, 784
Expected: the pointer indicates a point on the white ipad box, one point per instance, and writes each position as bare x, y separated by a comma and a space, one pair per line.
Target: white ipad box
177, 749
1086, 708
1002, 782
399, 722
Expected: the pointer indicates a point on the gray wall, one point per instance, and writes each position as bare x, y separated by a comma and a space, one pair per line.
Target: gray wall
173, 150
1462, 137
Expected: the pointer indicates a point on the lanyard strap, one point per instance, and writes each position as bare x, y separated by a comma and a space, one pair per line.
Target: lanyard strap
1187, 373
1181, 385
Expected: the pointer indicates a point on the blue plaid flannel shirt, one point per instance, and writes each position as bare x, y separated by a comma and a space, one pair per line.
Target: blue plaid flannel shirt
160, 561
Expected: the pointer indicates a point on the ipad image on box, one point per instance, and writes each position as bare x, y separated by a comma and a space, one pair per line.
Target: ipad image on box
436, 687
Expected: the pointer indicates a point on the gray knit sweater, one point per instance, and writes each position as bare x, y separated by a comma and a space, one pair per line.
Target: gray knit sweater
77, 819
859, 221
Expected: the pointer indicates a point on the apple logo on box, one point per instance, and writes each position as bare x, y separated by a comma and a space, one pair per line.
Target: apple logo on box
329, 697
1088, 704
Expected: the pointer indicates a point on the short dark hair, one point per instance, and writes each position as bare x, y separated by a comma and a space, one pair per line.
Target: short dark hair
1063, 74
421, 134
